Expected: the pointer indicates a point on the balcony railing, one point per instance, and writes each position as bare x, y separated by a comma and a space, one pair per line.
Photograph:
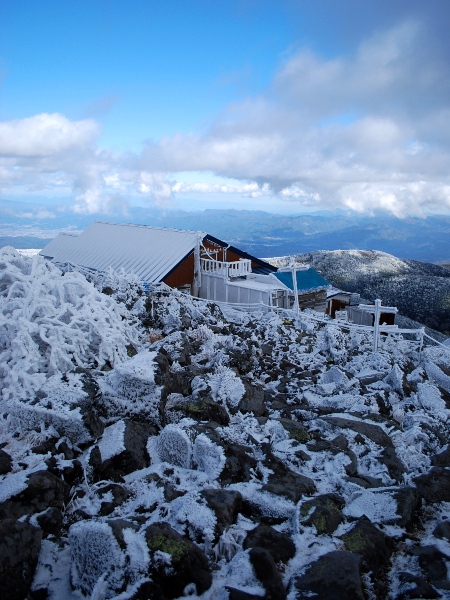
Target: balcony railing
238, 268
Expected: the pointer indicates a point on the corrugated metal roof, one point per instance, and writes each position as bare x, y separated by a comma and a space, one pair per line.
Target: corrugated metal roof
307, 279
148, 252
61, 243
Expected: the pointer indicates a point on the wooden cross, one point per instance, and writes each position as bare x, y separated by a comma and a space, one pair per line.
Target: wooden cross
376, 310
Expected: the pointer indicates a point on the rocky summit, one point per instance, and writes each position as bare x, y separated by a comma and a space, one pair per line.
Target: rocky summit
158, 446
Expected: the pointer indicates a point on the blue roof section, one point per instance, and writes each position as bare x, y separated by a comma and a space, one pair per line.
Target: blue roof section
308, 279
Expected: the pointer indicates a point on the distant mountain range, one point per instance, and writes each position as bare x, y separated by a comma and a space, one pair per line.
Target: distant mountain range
259, 233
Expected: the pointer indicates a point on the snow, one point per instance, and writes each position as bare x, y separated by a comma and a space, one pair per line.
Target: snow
54, 326
112, 440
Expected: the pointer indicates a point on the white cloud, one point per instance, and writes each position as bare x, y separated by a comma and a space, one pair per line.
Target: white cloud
364, 131
44, 135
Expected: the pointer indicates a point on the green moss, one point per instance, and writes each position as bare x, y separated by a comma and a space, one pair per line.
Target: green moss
355, 541
175, 548
299, 435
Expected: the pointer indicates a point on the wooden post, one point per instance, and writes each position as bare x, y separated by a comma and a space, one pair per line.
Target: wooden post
376, 324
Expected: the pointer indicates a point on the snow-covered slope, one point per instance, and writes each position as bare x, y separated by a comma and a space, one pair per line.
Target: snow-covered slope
234, 456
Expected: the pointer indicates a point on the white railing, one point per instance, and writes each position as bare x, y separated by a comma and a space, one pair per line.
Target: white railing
226, 269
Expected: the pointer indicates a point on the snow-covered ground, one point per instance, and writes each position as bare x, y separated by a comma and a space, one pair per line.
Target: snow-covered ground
187, 449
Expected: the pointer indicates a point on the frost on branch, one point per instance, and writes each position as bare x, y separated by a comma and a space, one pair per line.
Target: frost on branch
51, 323
208, 457
173, 446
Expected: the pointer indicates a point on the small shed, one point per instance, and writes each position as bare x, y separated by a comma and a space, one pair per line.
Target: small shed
311, 288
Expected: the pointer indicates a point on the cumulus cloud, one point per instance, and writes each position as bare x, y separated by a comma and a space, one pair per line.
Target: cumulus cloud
368, 130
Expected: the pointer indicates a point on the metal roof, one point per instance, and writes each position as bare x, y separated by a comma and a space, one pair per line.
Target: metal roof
307, 279
148, 252
62, 243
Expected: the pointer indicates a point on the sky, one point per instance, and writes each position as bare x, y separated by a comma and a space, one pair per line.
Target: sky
288, 106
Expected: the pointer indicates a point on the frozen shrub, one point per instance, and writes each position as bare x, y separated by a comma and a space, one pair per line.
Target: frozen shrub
130, 388
95, 554
335, 343
208, 457
226, 387
51, 323
173, 446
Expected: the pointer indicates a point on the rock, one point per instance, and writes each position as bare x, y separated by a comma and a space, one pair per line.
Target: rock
5, 463
234, 594
422, 590
322, 512
253, 400
442, 459
280, 545
238, 464
432, 562
133, 457
394, 465
283, 481
365, 481
51, 521
442, 530
20, 544
267, 572
296, 430
372, 546
203, 409
395, 379
335, 576
46, 447
188, 563
373, 432
226, 504
408, 503
93, 424
434, 486
70, 471
119, 494
43, 490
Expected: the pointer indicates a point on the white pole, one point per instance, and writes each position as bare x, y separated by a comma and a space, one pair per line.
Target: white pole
376, 324
294, 282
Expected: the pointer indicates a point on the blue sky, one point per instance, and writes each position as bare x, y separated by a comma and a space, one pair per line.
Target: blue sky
287, 106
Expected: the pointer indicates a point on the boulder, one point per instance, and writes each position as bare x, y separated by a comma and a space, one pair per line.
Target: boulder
226, 505
322, 512
253, 400
43, 490
334, 576
280, 545
266, 571
5, 463
373, 547
284, 482
202, 409
432, 562
442, 531
188, 564
51, 521
131, 451
295, 430
442, 459
371, 431
434, 486
20, 544
238, 464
